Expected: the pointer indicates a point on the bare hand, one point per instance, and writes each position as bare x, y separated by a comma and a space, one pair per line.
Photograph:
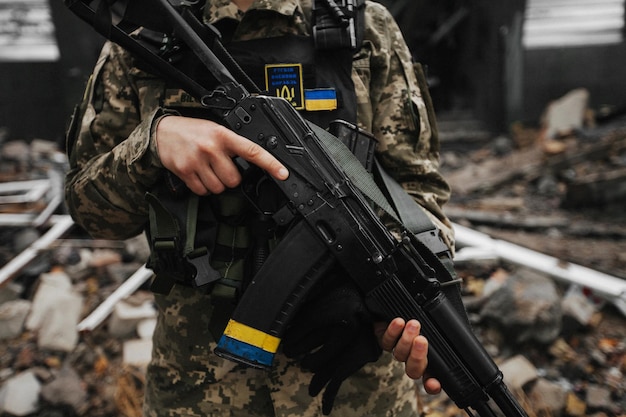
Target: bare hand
408, 346
200, 152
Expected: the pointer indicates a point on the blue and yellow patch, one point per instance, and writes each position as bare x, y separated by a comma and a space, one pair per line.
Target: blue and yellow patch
320, 99
247, 343
285, 81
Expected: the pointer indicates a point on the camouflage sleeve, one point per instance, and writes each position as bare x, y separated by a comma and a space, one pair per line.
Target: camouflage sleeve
113, 160
398, 115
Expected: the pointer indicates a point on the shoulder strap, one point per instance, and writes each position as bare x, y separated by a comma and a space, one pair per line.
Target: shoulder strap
338, 24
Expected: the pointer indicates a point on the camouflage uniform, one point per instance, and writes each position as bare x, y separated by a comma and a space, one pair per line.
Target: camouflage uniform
114, 162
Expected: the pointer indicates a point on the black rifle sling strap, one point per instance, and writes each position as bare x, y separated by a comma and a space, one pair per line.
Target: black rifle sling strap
417, 222
353, 169
407, 212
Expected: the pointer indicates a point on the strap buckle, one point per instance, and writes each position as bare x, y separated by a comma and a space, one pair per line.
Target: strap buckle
203, 275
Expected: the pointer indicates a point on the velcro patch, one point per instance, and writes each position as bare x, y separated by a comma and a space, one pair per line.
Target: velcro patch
320, 99
285, 81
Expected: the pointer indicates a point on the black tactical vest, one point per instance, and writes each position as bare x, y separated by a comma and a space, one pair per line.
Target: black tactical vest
318, 83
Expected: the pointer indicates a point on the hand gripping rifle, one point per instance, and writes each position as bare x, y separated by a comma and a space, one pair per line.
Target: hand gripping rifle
334, 221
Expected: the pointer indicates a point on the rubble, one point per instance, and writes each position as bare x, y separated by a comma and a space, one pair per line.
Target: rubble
555, 329
548, 398
12, 318
19, 395
525, 308
567, 114
518, 372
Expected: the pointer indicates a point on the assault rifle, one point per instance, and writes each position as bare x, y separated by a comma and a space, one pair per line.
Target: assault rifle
334, 221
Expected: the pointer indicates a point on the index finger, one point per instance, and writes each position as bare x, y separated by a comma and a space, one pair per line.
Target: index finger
260, 157
391, 334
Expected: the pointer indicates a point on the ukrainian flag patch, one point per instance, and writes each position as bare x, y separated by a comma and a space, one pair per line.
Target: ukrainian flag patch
247, 344
285, 81
320, 99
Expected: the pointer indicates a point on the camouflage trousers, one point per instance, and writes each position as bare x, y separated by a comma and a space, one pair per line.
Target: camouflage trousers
185, 377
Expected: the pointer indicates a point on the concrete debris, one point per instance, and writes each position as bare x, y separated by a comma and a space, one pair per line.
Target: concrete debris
567, 114
65, 388
598, 397
19, 395
548, 398
518, 371
12, 318
575, 406
126, 317
137, 352
476, 245
56, 312
579, 306
562, 351
525, 308
581, 169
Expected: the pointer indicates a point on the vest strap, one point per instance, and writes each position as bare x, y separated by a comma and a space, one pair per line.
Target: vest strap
168, 243
338, 24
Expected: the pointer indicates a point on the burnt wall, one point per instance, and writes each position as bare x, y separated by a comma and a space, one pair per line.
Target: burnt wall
37, 97
551, 73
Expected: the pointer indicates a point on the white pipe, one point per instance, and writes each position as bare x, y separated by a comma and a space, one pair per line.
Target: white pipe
129, 286
480, 245
60, 225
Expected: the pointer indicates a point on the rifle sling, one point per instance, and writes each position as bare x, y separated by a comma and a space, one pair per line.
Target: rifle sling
407, 212
353, 169
417, 221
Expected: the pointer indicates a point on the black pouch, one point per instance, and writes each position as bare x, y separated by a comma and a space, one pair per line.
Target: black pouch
361, 143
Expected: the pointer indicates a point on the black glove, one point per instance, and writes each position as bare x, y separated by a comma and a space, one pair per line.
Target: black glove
333, 337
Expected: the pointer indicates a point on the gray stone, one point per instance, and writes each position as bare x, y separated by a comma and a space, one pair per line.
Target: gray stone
55, 313
525, 308
548, 397
518, 371
598, 397
12, 318
66, 388
19, 395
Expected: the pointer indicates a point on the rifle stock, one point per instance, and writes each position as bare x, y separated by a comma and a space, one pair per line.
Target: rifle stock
398, 278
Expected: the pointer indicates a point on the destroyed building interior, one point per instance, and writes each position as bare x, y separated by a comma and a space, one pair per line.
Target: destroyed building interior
531, 110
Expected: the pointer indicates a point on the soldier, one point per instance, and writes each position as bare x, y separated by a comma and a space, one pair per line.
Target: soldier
133, 127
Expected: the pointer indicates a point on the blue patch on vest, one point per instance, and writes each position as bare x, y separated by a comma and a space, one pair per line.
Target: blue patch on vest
285, 80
